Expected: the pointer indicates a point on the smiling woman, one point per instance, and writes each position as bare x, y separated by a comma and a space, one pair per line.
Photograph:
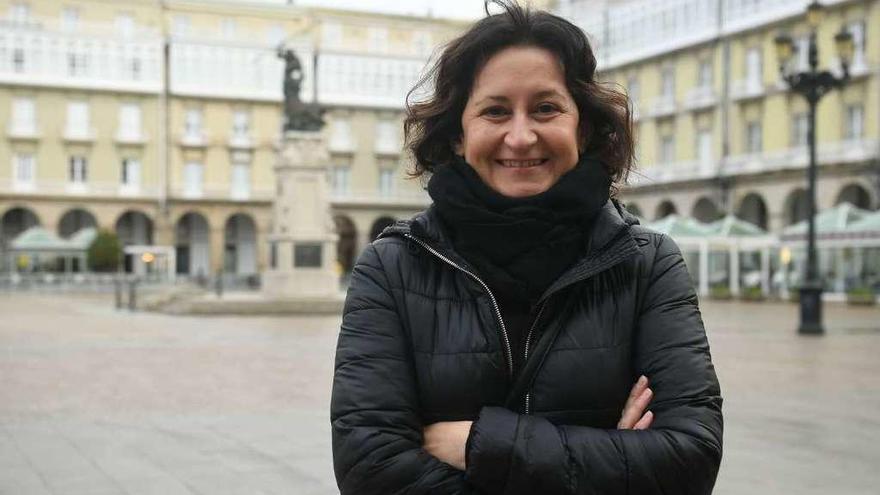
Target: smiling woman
524, 334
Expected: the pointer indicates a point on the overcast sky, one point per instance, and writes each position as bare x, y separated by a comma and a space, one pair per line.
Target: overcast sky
461, 9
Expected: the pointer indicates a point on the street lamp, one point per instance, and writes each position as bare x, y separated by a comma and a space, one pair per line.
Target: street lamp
813, 84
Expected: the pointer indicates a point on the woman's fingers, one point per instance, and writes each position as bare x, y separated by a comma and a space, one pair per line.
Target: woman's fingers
636, 405
645, 422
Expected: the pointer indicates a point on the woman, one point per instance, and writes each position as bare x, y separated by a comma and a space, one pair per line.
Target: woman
489, 344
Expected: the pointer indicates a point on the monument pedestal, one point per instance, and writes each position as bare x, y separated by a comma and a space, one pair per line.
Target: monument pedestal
302, 242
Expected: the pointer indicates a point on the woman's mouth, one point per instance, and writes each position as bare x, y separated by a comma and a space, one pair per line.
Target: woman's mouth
521, 163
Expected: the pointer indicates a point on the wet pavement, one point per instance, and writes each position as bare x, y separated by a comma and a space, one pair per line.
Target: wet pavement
95, 401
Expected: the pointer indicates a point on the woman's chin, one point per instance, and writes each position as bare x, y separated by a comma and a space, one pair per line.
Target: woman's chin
522, 189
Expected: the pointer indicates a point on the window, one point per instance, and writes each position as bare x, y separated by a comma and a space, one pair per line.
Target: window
19, 12
799, 129
180, 25
339, 179
131, 173
193, 175
240, 123
331, 33
386, 136
24, 169
77, 63
241, 181
855, 121
387, 182
667, 149
18, 60
130, 121
753, 68
77, 118
134, 66
668, 83
227, 28
275, 34
23, 116
377, 40
802, 53
193, 123
77, 172
704, 76
633, 90
754, 137
857, 30
704, 147
124, 25
421, 42
341, 139
69, 18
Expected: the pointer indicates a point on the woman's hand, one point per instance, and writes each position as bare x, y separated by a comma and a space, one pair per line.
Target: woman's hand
446, 441
635, 416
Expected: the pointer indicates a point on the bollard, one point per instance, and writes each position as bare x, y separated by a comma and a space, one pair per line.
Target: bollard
132, 294
117, 289
218, 285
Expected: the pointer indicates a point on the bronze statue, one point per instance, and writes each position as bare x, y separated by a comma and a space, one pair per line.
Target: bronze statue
298, 116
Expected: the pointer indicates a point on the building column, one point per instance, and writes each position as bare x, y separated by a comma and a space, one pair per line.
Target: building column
217, 240
765, 270
733, 253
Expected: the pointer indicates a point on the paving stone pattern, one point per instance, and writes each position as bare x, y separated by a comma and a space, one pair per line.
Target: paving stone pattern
96, 401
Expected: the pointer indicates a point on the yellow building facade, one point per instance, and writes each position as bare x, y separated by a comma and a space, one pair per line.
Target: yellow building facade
718, 130
160, 120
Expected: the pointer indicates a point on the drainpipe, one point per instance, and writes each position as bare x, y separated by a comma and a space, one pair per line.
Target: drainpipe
724, 181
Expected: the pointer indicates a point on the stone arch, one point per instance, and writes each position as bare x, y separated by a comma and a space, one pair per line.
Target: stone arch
192, 244
856, 195
240, 245
664, 209
133, 228
796, 206
753, 209
705, 210
634, 209
74, 220
379, 225
15, 221
346, 246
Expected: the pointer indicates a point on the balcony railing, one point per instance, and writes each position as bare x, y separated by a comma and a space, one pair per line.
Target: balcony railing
194, 139
700, 97
101, 189
130, 136
746, 88
79, 134
663, 106
22, 131
365, 197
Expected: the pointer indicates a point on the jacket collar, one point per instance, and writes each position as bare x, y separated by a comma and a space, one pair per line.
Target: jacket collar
610, 241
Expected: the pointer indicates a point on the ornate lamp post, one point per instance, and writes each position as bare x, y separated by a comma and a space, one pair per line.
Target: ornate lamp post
813, 84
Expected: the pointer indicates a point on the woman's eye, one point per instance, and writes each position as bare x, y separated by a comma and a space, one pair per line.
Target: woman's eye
547, 108
495, 111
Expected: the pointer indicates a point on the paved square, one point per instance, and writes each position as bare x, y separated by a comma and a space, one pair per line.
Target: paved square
95, 401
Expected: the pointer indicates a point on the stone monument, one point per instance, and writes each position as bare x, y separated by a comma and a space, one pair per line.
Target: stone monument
302, 242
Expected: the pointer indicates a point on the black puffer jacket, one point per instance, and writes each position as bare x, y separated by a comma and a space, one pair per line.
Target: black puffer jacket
422, 341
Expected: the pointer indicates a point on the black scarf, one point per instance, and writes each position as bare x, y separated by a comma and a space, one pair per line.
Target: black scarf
519, 246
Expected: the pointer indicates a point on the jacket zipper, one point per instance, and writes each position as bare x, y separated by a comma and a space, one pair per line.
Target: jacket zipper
526, 352
508, 353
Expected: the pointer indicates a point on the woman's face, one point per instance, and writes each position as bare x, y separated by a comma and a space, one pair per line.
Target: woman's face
520, 124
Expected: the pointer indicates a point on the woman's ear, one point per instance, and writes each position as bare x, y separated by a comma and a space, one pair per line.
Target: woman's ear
457, 147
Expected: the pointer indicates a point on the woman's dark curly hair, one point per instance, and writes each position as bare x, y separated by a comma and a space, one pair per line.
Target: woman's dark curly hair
433, 125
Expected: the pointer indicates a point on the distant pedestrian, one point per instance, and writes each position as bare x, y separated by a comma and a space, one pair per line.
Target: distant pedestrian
524, 335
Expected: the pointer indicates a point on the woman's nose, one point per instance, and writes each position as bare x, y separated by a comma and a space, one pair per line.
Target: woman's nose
520, 134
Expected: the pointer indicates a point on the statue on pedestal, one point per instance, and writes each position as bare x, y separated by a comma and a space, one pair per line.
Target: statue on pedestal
298, 116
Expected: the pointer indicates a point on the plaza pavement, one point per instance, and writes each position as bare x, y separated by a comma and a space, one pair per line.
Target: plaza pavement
95, 401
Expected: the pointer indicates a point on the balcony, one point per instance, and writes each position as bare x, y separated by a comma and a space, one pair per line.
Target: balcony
372, 197
130, 137
241, 142
223, 192
193, 139
102, 189
663, 106
341, 146
700, 98
664, 173
836, 153
79, 134
387, 148
744, 89
23, 131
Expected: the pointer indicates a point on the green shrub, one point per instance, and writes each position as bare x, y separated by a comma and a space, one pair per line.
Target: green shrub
721, 292
860, 295
752, 294
104, 253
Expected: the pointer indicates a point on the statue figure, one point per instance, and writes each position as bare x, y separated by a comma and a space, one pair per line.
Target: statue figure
298, 116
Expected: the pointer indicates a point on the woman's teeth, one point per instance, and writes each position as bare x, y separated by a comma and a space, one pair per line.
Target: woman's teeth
521, 163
